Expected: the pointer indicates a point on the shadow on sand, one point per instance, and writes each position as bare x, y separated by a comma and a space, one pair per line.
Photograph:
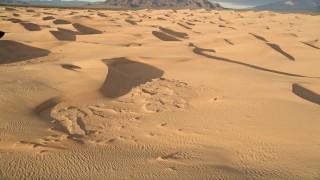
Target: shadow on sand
200, 52
123, 75
11, 52
305, 93
2, 34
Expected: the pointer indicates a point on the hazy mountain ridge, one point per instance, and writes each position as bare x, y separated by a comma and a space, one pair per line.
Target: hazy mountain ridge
127, 4
247, 2
163, 4
48, 2
292, 5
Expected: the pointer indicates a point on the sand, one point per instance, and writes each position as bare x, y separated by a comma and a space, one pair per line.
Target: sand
159, 94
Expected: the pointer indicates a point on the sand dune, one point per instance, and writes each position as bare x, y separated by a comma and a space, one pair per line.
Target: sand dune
158, 94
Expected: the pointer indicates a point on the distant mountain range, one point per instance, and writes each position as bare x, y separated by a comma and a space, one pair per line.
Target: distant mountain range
127, 4
247, 2
163, 4
292, 5
48, 2
274, 5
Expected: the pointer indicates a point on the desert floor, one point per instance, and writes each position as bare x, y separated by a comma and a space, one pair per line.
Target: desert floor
159, 94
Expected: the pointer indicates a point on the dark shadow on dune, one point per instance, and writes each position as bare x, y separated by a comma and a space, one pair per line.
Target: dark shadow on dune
9, 9
30, 26
311, 45
226, 40
131, 22
64, 34
16, 15
46, 13
70, 67
47, 18
102, 15
84, 30
174, 33
274, 46
27, 25
83, 16
50, 103
13, 20
191, 24
223, 26
164, 37
279, 50
306, 94
36, 144
68, 35
259, 37
2, 34
30, 10
184, 26
200, 52
60, 21
11, 52
123, 75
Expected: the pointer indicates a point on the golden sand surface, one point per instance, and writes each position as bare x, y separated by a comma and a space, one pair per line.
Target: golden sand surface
159, 94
